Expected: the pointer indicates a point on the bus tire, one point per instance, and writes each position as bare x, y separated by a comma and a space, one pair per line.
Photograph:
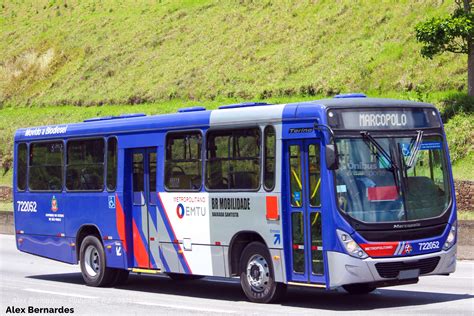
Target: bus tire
358, 289
121, 277
257, 276
93, 264
184, 277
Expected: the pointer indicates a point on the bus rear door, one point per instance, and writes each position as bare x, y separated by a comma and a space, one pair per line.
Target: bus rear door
305, 251
144, 196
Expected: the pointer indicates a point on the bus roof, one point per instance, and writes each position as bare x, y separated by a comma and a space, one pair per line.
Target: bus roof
198, 117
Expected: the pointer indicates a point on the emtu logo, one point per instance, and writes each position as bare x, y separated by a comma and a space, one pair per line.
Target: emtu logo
180, 210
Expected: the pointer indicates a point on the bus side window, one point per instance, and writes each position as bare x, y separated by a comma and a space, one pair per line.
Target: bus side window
183, 163
22, 159
314, 175
111, 164
85, 165
233, 159
269, 158
46, 166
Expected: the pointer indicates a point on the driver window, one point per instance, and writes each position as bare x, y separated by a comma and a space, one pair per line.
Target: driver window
183, 161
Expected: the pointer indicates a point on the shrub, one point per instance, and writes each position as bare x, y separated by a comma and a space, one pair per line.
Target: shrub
460, 135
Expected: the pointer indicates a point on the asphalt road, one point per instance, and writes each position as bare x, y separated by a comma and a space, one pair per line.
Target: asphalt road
27, 280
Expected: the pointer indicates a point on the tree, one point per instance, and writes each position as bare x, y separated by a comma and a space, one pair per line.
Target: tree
454, 34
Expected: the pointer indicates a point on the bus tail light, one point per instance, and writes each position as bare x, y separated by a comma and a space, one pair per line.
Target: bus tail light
350, 245
450, 241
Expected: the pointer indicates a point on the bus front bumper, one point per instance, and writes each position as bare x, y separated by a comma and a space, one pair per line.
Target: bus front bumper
344, 269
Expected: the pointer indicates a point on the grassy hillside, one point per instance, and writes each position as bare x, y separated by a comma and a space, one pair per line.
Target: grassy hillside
64, 61
110, 52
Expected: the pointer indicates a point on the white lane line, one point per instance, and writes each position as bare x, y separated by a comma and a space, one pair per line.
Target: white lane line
196, 309
58, 293
455, 277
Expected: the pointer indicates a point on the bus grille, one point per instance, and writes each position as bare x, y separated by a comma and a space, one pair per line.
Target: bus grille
392, 269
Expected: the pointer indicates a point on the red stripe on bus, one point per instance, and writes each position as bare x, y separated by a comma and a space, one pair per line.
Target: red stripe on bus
180, 251
120, 216
382, 249
139, 250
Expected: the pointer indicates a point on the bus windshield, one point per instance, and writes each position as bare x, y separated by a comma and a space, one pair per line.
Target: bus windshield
405, 182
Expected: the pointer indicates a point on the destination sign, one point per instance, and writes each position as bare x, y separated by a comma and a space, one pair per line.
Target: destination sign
382, 119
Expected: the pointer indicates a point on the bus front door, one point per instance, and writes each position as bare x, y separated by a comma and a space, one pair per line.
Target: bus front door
305, 251
144, 197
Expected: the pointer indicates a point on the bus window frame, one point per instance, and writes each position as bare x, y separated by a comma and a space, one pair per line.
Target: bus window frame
27, 166
164, 160
264, 158
218, 129
63, 165
104, 164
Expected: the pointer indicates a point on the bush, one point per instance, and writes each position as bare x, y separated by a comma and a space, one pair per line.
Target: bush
460, 135
455, 104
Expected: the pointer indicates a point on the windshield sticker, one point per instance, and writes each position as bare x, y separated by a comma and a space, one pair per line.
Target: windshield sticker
297, 196
341, 188
429, 145
382, 194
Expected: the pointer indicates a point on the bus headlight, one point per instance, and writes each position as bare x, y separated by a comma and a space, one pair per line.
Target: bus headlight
451, 237
350, 245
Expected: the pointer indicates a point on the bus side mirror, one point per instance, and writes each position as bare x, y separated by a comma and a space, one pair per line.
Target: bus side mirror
331, 157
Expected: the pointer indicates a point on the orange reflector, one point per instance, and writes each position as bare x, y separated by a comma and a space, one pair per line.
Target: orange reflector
217, 243
276, 257
272, 208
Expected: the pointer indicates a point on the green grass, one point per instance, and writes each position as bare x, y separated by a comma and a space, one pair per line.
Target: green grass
466, 215
64, 61
59, 52
464, 168
6, 206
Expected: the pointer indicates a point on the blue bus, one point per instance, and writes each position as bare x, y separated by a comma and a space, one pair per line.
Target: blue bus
350, 192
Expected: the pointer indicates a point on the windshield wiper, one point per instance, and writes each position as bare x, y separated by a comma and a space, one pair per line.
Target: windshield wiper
414, 150
380, 151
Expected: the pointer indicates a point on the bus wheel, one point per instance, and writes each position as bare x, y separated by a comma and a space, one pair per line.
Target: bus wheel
184, 277
361, 288
257, 277
92, 256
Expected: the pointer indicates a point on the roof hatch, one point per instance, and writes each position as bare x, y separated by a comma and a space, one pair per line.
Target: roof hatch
350, 96
192, 109
115, 117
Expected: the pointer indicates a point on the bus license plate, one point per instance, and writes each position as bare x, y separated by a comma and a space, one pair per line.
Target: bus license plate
409, 274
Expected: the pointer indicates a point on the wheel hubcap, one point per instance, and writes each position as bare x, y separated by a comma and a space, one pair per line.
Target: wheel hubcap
92, 261
258, 273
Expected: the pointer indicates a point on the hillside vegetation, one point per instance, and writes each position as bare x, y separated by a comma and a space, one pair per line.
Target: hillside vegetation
64, 61
106, 52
